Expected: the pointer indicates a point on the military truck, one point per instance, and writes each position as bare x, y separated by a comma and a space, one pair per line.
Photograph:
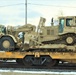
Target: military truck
12, 38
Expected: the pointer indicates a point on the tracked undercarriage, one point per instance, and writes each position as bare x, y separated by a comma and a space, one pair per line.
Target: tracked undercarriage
66, 39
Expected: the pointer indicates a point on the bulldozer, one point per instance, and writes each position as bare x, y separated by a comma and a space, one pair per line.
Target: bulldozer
62, 34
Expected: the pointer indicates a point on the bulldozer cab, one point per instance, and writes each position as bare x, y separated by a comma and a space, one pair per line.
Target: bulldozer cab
66, 23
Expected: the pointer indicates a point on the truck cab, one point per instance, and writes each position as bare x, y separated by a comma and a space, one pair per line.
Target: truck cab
2, 29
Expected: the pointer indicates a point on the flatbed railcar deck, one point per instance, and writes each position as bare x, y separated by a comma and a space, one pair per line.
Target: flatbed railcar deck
39, 58
53, 55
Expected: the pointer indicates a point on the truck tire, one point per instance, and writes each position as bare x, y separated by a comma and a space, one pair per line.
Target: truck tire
7, 43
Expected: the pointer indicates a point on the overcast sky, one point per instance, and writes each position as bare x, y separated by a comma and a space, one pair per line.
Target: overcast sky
12, 12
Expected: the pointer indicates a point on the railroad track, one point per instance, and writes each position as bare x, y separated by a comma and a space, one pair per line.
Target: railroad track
15, 66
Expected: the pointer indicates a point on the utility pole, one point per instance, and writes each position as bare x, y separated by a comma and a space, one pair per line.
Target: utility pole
25, 11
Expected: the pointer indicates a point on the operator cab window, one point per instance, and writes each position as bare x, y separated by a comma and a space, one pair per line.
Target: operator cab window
69, 21
61, 26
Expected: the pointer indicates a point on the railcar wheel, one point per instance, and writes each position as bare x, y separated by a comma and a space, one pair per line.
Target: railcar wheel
27, 62
20, 61
7, 43
51, 63
41, 62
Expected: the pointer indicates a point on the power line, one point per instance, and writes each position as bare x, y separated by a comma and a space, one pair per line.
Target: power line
51, 5
37, 5
12, 5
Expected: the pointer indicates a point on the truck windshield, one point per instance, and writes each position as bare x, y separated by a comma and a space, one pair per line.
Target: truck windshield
61, 25
2, 29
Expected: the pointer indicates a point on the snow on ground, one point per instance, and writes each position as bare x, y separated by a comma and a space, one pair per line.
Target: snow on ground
18, 72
